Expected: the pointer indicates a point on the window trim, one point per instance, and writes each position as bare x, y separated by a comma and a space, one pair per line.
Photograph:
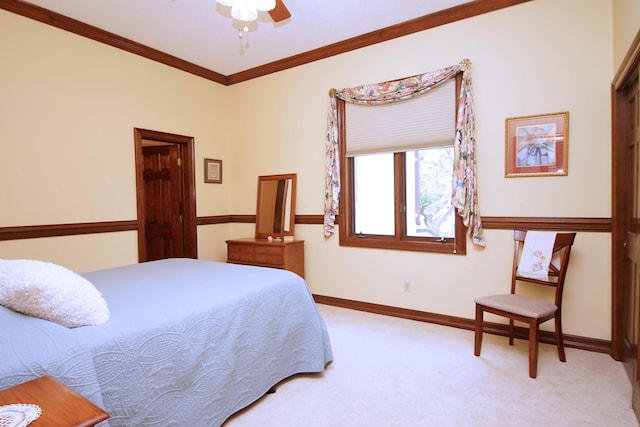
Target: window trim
399, 241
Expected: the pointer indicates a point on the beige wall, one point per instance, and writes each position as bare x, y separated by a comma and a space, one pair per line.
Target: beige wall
626, 25
534, 58
68, 107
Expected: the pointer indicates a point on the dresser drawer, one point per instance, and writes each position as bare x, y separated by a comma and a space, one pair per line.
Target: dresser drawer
269, 250
240, 253
272, 255
269, 259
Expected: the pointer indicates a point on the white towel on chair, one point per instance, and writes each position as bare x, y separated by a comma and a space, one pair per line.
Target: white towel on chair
536, 254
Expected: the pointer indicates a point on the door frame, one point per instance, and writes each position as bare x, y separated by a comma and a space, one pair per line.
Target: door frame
189, 222
627, 72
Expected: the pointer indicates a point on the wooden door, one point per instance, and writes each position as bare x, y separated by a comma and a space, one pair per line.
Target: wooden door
625, 218
163, 233
159, 195
631, 287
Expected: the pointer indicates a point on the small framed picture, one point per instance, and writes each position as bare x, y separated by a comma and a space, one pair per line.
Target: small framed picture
537, 145
213, 171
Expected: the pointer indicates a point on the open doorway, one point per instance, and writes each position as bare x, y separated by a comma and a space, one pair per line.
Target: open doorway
165, 194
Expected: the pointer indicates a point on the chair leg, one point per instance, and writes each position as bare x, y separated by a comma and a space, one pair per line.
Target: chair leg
533, 348
478, 330
510, 331
560, 339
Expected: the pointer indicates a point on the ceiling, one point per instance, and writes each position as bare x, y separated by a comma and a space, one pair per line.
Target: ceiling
202, 32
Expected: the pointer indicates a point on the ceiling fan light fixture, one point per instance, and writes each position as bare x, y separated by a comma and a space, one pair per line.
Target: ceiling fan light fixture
247, 10
265, 5
242, 12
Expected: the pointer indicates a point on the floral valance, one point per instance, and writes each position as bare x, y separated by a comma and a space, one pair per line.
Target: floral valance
464, 192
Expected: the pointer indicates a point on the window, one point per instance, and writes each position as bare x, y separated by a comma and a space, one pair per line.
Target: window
397, 163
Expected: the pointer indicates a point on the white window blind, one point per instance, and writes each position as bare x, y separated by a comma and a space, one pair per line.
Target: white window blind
427, 120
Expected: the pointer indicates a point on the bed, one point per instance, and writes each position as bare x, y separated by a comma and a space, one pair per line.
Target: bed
188, 342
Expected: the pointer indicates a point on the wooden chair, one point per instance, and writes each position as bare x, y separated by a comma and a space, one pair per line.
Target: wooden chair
532, 311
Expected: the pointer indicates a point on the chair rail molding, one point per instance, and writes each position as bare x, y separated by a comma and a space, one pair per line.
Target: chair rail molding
594, 225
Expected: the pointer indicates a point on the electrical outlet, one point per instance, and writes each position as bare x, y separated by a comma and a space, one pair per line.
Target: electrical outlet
407, 286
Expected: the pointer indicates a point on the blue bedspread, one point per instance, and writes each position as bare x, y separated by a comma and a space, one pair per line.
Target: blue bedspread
189, 342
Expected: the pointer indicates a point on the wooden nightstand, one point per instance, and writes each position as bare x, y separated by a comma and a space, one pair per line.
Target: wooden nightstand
60, 405
288, 254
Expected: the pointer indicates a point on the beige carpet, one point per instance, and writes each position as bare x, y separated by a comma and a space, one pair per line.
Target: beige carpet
396, 372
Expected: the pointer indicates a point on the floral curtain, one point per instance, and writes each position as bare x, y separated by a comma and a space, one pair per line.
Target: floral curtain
464, 196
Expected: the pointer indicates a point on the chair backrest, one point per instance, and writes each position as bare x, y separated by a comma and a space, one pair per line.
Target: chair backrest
557, 269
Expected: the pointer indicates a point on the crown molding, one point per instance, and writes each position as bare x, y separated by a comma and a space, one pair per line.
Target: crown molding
447, 16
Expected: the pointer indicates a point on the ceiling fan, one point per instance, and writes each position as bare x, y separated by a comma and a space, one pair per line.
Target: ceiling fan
247, 10
280, 12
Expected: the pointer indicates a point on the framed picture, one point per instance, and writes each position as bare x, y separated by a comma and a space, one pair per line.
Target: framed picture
537, 145
213, 171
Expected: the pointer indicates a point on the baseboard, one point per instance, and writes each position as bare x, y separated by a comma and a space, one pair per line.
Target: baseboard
582, 343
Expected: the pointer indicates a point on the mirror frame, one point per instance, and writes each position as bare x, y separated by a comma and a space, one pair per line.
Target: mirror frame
292, 204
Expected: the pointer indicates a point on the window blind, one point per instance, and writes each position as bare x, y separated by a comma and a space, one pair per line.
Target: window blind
425, 121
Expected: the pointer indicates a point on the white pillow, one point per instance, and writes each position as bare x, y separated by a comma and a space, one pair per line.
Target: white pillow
51, 292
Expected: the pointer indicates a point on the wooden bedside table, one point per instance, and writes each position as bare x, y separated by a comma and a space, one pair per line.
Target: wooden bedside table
60, 405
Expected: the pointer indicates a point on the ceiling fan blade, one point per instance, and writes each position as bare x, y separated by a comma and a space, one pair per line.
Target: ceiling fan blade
280, 12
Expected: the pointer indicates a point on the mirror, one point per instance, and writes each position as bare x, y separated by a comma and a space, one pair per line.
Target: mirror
275, 213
